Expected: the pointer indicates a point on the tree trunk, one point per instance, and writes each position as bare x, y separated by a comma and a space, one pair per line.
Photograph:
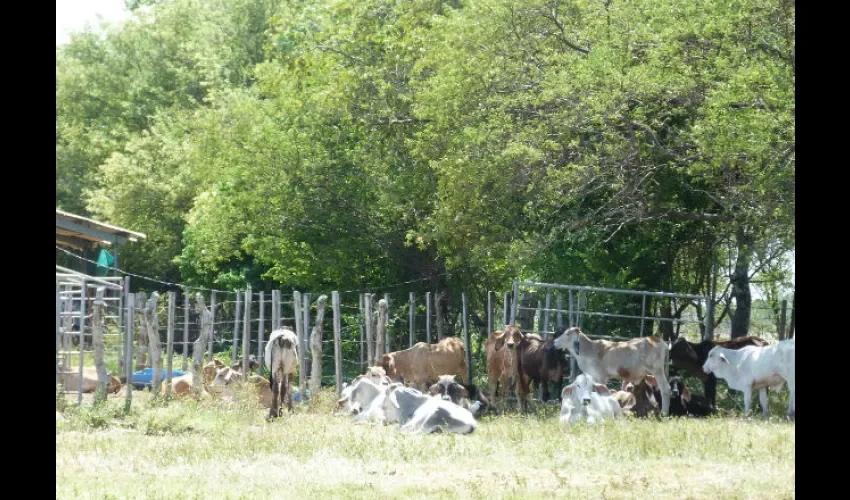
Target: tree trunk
741, 286
793, 314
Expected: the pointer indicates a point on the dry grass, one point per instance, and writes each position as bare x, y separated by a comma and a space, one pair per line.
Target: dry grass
188, 449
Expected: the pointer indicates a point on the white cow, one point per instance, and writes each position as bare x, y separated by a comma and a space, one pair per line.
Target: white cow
756, 368
631, 360
584, 398
281, 358
421, 413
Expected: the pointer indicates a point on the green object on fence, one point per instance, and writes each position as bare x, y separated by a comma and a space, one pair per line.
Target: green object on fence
104, 262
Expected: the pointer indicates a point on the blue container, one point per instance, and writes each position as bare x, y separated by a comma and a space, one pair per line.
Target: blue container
142, 379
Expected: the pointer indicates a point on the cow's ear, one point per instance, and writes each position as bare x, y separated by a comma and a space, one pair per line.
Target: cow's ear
651, 380
500, 342
464, 392
567, 390
601, 389
723, 358
434, 389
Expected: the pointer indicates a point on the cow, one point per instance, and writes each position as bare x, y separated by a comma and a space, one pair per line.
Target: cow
229, 376
502, 367
752, 368
683, 403
631, 360
253, 364
460, 394
585, 398
626, 400
180, 386
423, 363
359, 395
690, 357
420, 413
70, 380
211, 370
645, 397
540, 362
281, 358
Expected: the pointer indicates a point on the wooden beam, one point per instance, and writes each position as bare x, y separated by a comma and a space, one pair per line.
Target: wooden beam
78, 228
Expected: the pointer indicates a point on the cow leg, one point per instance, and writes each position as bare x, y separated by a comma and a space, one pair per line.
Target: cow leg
763, 401
792, 403
289, 378
664, 388
748, 399
524, 388
273, 411
709, 386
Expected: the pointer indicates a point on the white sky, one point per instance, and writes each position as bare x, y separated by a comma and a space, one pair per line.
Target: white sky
72, 15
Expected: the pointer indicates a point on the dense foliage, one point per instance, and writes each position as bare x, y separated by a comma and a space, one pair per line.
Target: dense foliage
339, 144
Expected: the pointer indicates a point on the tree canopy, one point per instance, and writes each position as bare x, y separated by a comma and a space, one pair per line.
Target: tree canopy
320, 144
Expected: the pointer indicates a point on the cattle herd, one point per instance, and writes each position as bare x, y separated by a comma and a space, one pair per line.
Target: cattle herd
417, 387
515, 359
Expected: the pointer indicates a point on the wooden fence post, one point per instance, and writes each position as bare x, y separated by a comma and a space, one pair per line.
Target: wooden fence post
560, 315
261, 333
236, 320
505, 304
185, 328
211, 336
381, 330
302, 380
361, 325
783, 308
246, 332
387, 344
169, 343
337, 342
154, 346
546, 315
142, 349
205, 318
97, 343
316, 345
370, 346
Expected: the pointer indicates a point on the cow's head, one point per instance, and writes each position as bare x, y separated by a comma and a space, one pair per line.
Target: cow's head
210, 369
449, 390
569, 341
716, 359
253, 364
388, 364
582, 388
511, 338
227, 376
678, 390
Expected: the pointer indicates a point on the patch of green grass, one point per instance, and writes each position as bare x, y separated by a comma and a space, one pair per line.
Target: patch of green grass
181, 448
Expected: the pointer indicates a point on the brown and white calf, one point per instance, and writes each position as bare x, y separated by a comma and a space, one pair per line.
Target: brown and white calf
632, 360
281, 358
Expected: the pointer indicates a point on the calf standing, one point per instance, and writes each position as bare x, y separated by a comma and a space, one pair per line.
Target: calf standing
541, 362
281, 358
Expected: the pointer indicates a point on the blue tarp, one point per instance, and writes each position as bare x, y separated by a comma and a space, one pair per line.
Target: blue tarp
142, 379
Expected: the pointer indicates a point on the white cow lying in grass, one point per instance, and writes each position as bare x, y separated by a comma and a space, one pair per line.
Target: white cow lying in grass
756, 368
421, 413
584, 398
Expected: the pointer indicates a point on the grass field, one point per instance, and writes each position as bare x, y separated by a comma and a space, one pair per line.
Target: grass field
189, 449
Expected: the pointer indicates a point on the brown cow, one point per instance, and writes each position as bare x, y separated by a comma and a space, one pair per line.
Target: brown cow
180, 386
71, 380
502, 364
423, 363
211, 370
542, 363
690, 357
